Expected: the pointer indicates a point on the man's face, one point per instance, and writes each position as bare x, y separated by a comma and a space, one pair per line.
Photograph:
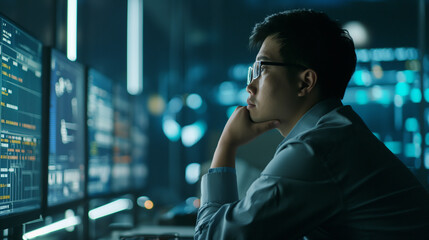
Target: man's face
274, 94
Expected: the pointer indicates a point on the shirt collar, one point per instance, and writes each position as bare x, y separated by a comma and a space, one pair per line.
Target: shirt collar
311, 117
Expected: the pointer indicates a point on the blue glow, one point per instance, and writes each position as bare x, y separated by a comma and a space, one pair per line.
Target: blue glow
386, 54
402, 89
242, 97
227, 94
175, 105
411, 125
230, 111
192, 173
239, 72
417, 138
382, 54
403, 54
361, 97
377, 135
380, 95
411, 150
394, 146
398, 101
191, 134
415, 95
362, 78
171, 129
194, 101
410, 76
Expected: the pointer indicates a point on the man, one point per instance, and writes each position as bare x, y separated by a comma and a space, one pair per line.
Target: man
330, 178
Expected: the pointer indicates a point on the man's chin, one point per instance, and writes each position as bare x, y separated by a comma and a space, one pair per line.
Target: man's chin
255, 119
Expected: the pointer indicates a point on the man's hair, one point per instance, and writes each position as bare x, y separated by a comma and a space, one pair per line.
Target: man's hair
312, 39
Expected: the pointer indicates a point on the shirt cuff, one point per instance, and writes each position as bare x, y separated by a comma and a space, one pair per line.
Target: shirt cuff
222, 169
219, 186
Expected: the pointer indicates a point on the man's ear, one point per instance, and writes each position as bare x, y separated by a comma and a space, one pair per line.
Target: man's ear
308, 80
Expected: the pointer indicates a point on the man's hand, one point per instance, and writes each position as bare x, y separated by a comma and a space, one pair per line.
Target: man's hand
238, 130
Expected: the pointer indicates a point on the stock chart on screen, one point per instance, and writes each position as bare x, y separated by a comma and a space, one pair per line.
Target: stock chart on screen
100, 133
66, 131
21, 109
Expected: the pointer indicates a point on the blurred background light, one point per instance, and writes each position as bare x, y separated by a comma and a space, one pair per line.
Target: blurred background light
230, 111
361, 97
358, 32
110, 208
402, 88
394, 146
362, 78
192, 133
156, 104
194, 101
135, 46
227, 93
242, 97
171, 129
411, 125
238, 72
416, 95
398, 101
192, 173
175, 105
72, 30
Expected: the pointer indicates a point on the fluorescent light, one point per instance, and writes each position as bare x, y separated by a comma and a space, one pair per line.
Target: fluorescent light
65, 223
71, 29
135, 47
110, 208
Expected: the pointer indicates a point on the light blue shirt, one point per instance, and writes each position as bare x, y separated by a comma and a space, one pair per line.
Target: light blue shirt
330, 178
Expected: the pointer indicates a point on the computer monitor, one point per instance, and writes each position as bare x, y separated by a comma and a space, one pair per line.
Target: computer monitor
140, 143
21, 125
66, 175
100, 133
121, 171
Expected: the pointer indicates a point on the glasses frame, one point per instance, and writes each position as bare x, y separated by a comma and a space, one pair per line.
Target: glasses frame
255, 70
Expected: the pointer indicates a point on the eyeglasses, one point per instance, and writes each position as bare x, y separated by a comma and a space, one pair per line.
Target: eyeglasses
255, 71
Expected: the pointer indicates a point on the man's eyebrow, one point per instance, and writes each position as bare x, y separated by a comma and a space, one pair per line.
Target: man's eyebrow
261, 58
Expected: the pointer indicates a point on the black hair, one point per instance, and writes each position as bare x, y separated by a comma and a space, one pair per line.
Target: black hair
312, 39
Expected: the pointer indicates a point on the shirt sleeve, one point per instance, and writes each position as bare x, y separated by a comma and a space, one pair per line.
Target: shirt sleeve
293, 195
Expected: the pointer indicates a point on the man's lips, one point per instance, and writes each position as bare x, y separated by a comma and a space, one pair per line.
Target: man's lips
250, 103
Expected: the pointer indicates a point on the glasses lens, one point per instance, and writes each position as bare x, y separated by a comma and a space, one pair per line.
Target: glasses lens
249, 75
256, 70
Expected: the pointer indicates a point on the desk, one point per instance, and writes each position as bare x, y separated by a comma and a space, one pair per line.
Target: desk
183, 231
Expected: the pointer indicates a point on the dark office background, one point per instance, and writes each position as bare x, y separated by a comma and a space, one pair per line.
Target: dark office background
201, 47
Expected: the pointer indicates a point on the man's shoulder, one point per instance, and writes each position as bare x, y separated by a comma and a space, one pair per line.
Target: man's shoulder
295, 160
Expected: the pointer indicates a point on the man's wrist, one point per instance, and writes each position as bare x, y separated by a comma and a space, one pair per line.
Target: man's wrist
224, 155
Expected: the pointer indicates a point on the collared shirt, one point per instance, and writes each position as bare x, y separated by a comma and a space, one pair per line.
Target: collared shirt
330, 178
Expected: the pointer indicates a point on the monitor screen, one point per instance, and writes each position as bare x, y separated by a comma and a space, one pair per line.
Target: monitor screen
100, 133
140, 140
121, 172
66, 176
21, 122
